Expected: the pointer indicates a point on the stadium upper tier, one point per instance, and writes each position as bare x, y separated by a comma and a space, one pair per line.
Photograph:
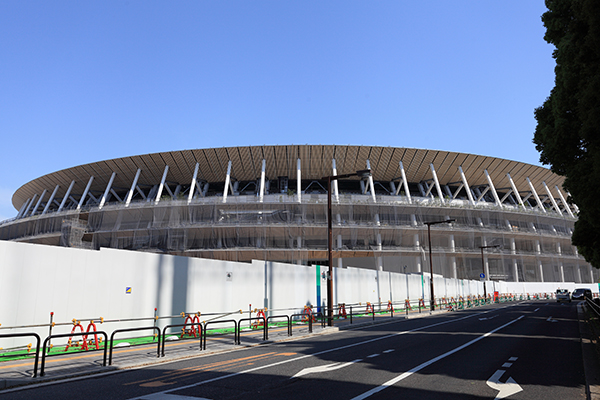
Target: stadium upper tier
269, 202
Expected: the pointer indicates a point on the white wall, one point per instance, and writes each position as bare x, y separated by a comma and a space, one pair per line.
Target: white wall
86, 284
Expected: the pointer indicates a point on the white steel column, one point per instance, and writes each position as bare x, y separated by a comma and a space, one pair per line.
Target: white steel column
162, 185
23, 207
493, 189
107, 191
579, 274
537, 198
85, 192
299, 182
516, 270
515, 191
371, 185
552, 199
437, 184
262, 181
227, 182
37, 205
336, 194
467, 188
562, 272
453, 259
133, 185
64, 200
338, 218
50, 200
405, 183
33, 199
193, 184
541, 271
562, 199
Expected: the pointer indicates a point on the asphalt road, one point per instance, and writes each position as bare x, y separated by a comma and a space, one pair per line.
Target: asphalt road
528, 350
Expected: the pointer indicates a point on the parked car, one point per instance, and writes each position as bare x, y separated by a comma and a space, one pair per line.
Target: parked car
581, 294
563, 295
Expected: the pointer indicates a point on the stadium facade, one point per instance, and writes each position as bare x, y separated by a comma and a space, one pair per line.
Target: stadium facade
512, 220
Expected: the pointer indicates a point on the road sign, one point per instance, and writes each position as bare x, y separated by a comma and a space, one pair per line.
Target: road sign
482, 275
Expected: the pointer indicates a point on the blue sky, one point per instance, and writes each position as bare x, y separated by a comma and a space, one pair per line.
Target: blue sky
86, 81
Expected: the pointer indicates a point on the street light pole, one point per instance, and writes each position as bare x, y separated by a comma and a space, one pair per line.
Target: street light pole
485, 277
362, 174
432, 295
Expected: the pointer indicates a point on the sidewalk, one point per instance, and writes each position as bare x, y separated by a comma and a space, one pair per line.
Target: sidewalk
20, 372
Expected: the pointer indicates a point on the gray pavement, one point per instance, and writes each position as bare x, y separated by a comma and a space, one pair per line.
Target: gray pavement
19, 372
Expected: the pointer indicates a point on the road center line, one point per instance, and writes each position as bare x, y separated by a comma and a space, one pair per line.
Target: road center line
428, 363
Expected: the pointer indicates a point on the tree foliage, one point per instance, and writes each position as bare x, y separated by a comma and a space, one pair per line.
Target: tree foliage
568, 123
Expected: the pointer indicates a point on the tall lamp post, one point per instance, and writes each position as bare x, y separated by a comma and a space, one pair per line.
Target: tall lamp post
483, 267
363, 174
447, 221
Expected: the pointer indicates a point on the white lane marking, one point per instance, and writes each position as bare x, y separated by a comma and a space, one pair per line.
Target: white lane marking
428, 363
507, 365
314, 354
324, 368
388, 351
492, 317
504, 389
372, 355
513, 359
551, 320
536, 309
164, 396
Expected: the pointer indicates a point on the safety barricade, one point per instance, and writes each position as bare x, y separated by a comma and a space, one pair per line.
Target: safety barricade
390, 307
66, 335
144, 328
308, 315
195, 325
407, 306
369, 307
84, 336
342, 311
259, 320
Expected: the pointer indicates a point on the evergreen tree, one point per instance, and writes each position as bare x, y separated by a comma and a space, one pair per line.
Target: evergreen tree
568, 123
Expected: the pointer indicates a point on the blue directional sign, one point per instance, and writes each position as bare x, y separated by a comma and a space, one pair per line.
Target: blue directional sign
482, 275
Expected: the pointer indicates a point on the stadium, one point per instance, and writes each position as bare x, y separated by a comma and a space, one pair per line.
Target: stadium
511, 220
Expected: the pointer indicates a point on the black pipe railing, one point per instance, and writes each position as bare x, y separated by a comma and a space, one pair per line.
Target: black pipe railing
239, 327
110, 353
164, 333
235, 324
69, 335
37, 347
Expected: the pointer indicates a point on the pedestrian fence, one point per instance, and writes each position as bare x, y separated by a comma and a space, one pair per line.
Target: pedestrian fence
195, 328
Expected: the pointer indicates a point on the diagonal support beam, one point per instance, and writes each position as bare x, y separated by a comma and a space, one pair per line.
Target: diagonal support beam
562, 199
467, 188
537, 198
162, 185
